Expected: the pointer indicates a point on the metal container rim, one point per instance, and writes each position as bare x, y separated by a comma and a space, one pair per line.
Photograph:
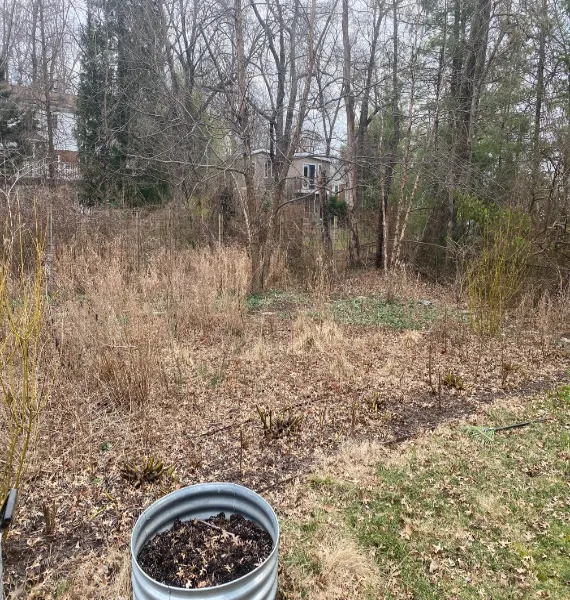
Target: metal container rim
205, 486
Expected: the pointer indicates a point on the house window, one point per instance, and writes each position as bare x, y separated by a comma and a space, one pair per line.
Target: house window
268, 172
53, 121
309, 176
335, 189
30, 120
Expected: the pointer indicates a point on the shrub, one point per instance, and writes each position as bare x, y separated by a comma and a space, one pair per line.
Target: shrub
25, 387
498, 274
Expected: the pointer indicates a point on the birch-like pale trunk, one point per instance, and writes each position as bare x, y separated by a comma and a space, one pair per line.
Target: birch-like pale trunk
406, 162
392, 151
352, 168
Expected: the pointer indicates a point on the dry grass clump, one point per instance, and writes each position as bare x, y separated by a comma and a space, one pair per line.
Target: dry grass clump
126, 374
120, 321
96, 269
324, 338
399, 283
110, 338
347, 570
210, 288
313, 335
552, 316
327, 562
547, 316
258, 351
195, 288
356, 462
447, 329
279, 274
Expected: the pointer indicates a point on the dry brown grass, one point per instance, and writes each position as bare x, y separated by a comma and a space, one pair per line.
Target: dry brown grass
341, 570
126, 374
212, 292
544, 316
314, 335
347, 571
323, 338
355, 462
120, 328
97, 576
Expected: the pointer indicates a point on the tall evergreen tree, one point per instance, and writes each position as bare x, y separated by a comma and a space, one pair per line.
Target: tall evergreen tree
119, 112
95, 105
141, 113
12, 127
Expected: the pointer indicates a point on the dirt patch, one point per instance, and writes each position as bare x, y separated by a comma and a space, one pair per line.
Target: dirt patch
198, 554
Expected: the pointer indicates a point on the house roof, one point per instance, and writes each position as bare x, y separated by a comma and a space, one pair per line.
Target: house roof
34, 96
313, 155
298, 155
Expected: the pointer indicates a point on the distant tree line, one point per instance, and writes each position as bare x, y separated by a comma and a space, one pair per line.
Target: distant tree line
440, 110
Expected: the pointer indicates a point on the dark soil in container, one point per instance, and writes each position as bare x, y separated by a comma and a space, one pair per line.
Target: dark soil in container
205, 553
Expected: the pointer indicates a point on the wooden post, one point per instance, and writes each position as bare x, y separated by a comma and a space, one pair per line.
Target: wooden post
138, 237
220, 230
49, 258
335, 226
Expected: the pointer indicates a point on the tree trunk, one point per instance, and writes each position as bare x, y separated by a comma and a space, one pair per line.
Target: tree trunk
352, 170
536, 158
391, 152
325, 217
47, 81
468, 64
243, 121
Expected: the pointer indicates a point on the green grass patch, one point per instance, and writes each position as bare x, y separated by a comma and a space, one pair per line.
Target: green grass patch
458, 517
374, 311
277, 300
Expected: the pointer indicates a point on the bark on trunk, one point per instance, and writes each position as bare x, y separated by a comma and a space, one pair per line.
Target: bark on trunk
468, 67
538, 109
243, 120
352, 171
325, 217
391, 152
46, 89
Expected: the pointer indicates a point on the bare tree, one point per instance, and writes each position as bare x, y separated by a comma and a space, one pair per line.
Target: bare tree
351, 146
390, 150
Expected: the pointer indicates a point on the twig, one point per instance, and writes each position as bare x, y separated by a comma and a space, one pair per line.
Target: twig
224, 531
219, 430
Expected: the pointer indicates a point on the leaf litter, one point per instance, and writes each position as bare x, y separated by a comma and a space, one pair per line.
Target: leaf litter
368, 384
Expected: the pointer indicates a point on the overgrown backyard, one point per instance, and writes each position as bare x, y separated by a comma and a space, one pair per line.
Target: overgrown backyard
344, 402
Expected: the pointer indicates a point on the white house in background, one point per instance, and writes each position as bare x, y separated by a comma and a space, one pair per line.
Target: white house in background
66, 160
302, 177
303, 174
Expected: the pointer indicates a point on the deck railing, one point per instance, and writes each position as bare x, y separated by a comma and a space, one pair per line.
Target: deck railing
39, 169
